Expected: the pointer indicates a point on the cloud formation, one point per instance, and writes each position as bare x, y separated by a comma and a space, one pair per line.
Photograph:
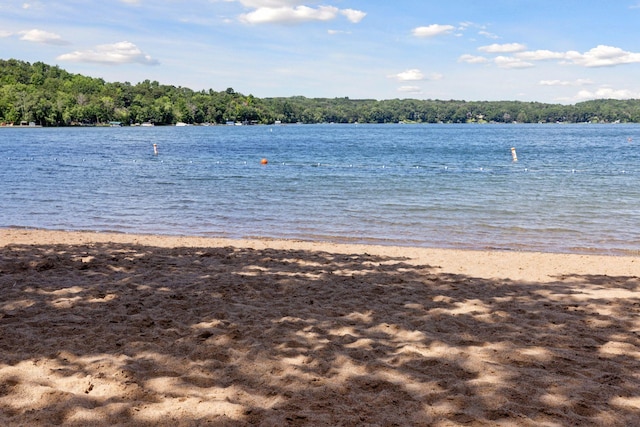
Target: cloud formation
432, 30
413, 75
487, 34
599, 56
353, 15
473, 59
503, 48
511, 62
409, 75
293, 12
40, 36
117, 53
578, 82
256, 4
288, 15
603, 56
607, 93
540, 55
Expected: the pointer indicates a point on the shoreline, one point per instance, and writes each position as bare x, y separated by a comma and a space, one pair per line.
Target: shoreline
143, 330
346, 241
516, 265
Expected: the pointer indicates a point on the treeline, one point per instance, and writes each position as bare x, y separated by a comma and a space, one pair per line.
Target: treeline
50, 96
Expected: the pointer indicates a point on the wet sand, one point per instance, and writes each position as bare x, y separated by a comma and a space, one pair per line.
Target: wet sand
117, 329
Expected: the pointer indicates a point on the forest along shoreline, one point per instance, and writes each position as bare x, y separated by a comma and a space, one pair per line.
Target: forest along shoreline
47, 95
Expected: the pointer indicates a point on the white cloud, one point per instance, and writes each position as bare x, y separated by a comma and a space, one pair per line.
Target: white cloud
5, 34
603, 56
117, 53
488, 34
293, 12
352, 15
433, 30
607, 93
482, 29
40, 36
511, 62
414, 75
289, 15
256, 4
600, 56
503, 48
472, 59
578, 82
409, 75
540, 55
336, 32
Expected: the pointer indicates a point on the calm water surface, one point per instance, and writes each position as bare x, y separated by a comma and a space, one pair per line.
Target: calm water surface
575, 188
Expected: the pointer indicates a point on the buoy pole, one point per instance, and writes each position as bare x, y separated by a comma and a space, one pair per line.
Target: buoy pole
155, 149
513, 154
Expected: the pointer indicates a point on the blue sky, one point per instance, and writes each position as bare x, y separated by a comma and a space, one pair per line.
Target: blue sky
560, 51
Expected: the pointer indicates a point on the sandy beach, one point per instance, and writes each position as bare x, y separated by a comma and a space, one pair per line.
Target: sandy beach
102, 329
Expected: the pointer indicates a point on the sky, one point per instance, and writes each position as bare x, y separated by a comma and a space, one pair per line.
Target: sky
559, 51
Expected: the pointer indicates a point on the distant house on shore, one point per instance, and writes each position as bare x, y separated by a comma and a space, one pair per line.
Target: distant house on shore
26, 124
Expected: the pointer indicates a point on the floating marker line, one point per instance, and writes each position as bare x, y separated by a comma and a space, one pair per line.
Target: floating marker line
414, 168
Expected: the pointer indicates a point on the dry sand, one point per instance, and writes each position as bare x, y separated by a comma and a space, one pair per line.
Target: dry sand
115, 329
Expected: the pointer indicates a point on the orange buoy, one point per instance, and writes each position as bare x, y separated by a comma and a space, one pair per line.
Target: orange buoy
264, 161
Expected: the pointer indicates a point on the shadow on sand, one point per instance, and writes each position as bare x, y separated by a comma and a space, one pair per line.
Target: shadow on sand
112, 334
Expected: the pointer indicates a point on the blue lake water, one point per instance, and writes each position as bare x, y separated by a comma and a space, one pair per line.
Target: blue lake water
574, 188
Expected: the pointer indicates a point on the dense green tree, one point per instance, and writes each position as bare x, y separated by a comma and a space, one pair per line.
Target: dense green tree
50, 96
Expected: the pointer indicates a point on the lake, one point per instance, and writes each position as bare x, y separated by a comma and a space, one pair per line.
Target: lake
575, 187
